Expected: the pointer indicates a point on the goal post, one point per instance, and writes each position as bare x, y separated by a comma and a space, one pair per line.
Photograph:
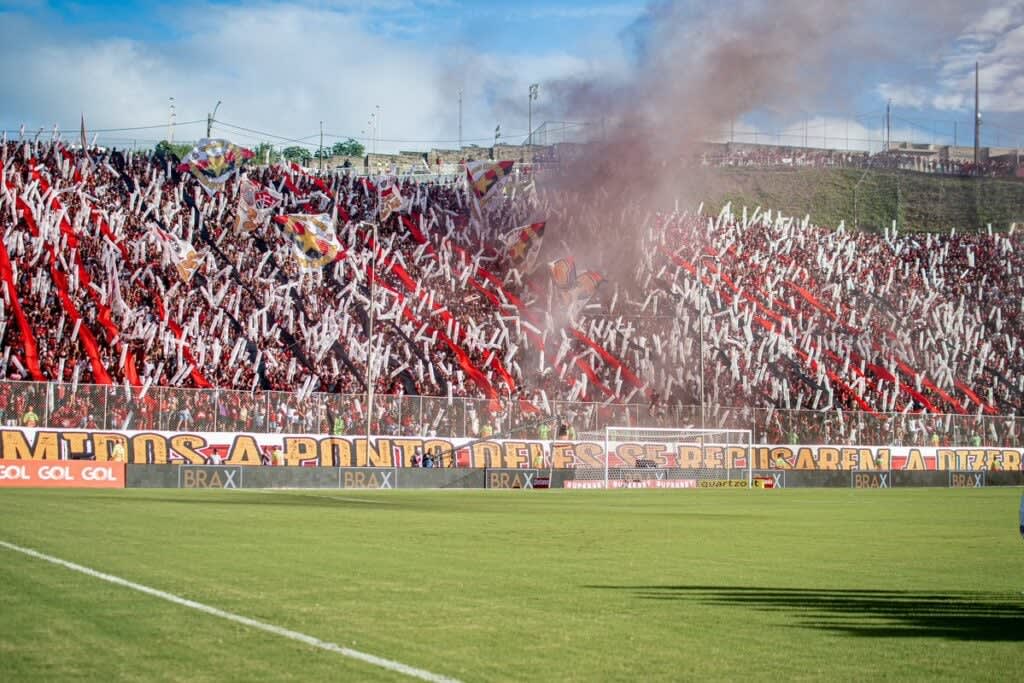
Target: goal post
642, 457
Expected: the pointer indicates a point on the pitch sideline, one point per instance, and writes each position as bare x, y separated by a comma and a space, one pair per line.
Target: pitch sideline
389, 664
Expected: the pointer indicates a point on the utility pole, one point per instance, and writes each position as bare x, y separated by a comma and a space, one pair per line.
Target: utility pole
977, 121
210, 117
170, 124
529, 125
321, 146
372, 125
460, 120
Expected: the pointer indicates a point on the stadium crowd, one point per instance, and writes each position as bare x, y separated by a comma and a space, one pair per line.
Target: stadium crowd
122, 278
769, 156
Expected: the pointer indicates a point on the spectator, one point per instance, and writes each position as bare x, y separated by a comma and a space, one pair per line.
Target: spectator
30, 419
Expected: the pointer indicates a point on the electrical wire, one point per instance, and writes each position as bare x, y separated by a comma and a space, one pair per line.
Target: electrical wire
302, 141
105, 130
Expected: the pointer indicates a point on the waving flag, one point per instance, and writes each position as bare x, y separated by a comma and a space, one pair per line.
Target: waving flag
484, 176
316, 243
563, 273
522, 246
390, 202
254, 205
186, 259
81, 133
212, 161
583, 291
183, 255
574, 291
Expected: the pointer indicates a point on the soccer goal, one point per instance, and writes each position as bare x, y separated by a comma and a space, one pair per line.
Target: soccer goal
640, 457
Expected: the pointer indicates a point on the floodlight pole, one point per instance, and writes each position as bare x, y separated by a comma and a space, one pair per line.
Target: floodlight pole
888, 125
170, 124
369, 342
700, 320
529, 127
977, 122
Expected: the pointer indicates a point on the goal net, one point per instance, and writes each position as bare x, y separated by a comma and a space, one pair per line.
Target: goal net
638, 457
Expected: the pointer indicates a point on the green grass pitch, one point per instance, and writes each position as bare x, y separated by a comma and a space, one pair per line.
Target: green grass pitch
517, 585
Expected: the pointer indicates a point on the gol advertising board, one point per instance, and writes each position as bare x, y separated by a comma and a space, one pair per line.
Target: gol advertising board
311, 450
82, 474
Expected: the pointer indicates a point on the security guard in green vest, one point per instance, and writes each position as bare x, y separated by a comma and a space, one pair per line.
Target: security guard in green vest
538, 460
338, 427
544, 431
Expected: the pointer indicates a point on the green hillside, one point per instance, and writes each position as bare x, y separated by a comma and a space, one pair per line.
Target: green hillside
872, 199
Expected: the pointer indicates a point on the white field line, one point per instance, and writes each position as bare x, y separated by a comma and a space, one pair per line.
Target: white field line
309, 493
383, 663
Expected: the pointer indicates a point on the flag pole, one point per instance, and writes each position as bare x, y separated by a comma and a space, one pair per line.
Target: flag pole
369, 348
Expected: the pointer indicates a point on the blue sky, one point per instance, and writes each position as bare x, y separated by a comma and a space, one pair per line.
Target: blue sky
282, 67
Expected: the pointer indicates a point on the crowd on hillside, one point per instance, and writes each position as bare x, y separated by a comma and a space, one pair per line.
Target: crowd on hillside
811, 333
768, 156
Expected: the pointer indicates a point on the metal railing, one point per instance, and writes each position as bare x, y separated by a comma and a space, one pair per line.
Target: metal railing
55, 405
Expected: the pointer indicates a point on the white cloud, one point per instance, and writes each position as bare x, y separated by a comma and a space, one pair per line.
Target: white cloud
835, 132
914, 97
995, 40
279, 68
993, 23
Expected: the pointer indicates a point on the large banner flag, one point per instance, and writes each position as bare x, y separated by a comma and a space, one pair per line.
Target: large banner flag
563, 273
183, 255
484, 176
254, 205
574, 291
583, 291
212, 161
316, 243
522, 246
186, 259
390, 202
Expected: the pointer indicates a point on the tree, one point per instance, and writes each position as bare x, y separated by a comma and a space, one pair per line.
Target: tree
264, 153
296, 153
349, 148
164, 148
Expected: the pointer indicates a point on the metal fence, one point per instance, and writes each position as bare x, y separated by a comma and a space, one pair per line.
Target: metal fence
173, 409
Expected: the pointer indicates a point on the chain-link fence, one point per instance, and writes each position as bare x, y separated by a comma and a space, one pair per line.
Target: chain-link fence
37, 404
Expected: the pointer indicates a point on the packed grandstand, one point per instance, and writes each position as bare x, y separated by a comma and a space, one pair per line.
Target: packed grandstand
143, 291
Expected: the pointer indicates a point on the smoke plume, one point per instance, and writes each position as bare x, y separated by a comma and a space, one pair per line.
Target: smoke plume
698, 66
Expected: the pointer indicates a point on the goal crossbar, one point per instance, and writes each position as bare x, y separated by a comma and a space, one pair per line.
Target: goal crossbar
646, 457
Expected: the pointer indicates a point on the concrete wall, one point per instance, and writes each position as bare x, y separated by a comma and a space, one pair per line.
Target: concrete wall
406, 160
